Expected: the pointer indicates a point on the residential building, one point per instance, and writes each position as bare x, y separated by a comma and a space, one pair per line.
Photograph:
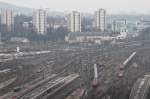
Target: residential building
74, 22
40, 22
100, 22
7, 20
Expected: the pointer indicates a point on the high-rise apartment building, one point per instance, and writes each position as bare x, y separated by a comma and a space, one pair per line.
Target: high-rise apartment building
74, 22
40, 22
100, 20
7, 20
114, 26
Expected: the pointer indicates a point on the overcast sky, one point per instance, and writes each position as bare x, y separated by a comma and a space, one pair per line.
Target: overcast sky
112, 6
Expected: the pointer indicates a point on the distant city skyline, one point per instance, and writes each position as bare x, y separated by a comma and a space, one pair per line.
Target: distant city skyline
112, 6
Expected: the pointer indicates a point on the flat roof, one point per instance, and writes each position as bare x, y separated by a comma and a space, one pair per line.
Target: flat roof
72, 34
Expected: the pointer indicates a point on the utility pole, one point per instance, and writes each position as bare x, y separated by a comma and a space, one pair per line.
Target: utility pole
102, 49
0, 38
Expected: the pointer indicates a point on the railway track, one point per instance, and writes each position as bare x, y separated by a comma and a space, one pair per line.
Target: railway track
50, 88
27, 87
141, 88
70, 83
43, 89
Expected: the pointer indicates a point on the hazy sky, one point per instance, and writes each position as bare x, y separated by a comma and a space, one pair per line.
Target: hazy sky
112, 6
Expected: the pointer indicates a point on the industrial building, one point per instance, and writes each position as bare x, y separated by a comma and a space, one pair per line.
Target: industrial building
88, 37
142, 24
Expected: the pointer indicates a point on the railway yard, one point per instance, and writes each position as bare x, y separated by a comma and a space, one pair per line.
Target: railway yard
62, 71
